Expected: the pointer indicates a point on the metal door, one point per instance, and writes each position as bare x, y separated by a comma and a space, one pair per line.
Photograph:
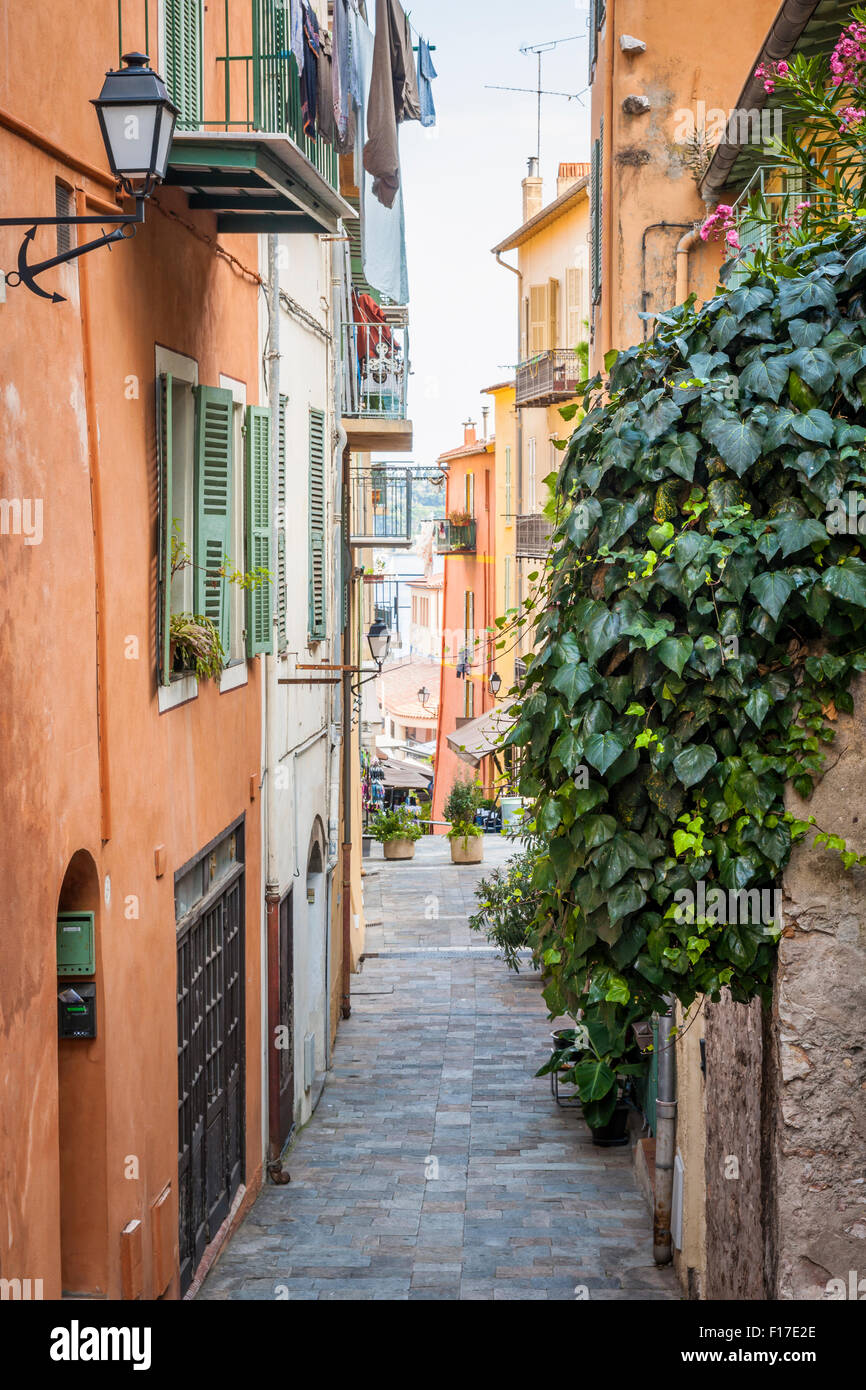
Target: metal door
287, 1052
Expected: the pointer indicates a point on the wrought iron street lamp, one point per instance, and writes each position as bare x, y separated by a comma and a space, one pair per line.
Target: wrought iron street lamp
379, 641
495, 683
423, 696
137, 120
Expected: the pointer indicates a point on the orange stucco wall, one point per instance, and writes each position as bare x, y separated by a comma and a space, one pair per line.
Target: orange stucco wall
475, 572
696, 51
176, 779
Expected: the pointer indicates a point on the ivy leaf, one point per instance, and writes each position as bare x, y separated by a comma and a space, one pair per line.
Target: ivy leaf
563, 859
757, 706
724, 494
582, 520
694, 762
602, 633
573, 680
550, 816
738, 441
603, 749
598, 829
618, 517
622, 900
680, 455
766, 376
772, 590
815, 366
658, 419
798, 294
816, 425
795, 534
848, 582
675, 652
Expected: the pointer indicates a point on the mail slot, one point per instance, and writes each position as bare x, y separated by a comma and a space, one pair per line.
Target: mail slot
75, 954
76, 1010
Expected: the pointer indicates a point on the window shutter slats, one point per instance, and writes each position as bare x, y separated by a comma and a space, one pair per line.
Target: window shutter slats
282, 588
213, 492
595, 213
574, 310
258, 509
182, 65
164, 452
552, 313
539, 318
317, 614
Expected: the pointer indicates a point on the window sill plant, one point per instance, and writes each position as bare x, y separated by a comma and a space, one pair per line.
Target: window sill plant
195, 647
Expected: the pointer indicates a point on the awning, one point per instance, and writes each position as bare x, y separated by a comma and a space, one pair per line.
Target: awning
482, 736
404, 777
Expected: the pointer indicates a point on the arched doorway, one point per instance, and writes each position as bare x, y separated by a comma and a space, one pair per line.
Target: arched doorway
81, 1098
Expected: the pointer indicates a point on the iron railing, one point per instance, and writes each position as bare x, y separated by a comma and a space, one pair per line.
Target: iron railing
375, 360
549, 377
381, 506
452, 537
532, 534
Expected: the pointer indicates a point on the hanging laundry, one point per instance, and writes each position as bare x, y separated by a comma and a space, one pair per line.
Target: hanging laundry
383, 228
426, 73
325, 104
344, 81
394, 97
296, 26
310, 74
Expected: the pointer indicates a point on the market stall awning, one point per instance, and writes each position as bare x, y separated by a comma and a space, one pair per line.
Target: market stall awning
481, 736
404, 777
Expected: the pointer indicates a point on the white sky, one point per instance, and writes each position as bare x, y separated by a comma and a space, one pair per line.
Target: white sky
461, 182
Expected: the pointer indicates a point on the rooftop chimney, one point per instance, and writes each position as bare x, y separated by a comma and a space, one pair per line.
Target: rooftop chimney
485, 411
569, 175
532, 190
469, 435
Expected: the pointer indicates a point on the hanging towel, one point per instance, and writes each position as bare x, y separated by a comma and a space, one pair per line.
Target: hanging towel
297, 33
325, 104
426, 73
310, 75
393, 98
383, 229
344, 75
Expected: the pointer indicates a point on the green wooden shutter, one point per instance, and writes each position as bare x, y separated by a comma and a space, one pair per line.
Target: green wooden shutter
282, 588
164, 451
213, 503
258, 519
593, 36
182, 66
318, 617
595, 213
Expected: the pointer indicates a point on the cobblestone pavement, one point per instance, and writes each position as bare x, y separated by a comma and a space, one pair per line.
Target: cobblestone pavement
436, 1166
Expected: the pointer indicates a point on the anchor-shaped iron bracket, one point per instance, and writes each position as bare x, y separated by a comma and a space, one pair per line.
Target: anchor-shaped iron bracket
26, 274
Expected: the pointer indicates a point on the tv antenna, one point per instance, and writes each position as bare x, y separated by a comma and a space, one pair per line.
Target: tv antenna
539, 91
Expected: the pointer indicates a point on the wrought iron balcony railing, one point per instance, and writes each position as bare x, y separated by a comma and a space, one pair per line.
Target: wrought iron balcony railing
375, 357
454, 538
549, 377
381, 506
532, 535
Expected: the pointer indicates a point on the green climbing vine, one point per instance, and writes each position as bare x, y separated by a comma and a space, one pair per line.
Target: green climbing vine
702, 617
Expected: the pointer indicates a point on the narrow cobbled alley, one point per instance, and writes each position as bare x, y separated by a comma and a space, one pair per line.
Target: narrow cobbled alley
436, 1166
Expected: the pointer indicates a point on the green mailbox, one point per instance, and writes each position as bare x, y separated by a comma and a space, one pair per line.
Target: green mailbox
75, 954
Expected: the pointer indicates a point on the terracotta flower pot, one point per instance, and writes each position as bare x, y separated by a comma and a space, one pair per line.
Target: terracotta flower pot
399, 849
467, 851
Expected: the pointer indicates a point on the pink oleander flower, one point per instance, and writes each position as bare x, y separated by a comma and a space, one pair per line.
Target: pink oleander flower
782, 69
851, 116
769, 85
733, 239
724, 210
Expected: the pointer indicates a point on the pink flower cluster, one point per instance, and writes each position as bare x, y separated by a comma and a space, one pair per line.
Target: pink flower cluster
722, 223
770, 72
851, 116
849, 55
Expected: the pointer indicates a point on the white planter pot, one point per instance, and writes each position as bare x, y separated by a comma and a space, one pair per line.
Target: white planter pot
399, 849
467, 851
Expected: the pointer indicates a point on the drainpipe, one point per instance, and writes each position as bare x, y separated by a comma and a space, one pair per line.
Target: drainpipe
607, 187
518, 427
346, 1009
272, 880
666, 1131
684, 246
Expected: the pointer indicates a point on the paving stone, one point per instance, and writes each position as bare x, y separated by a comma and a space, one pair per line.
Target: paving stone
437, 1062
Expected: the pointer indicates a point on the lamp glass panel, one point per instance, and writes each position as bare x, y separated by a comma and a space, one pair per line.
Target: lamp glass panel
166, 131
130, 132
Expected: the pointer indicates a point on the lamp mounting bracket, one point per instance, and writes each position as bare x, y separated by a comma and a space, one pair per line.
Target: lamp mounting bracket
124, 227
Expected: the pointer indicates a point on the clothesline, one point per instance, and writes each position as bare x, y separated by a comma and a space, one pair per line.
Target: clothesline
418, 35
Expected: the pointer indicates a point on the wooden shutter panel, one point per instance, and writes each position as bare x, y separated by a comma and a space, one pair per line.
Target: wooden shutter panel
593, 36
282, 588
213, 501
595, 214
258, 507
552, 313
182, 65
539, 316
164, 451
318, 619
575, 329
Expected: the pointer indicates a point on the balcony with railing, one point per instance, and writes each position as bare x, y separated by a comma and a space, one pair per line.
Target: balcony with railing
381, 507
454, 537
240, 148
375, 356
532, 533
549, 377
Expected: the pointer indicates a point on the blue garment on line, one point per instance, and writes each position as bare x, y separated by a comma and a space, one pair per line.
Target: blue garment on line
297, 33
383, 229
426, 73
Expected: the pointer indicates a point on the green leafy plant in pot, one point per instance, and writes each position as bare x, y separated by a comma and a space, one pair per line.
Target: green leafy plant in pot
602, 1059
397, 831
461, 806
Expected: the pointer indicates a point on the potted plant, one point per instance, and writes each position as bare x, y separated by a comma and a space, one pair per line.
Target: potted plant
600, 1058
507, 904
461, 806
195, 646
397, 832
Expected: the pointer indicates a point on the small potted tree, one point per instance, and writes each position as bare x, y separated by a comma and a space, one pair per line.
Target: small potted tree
396, 832
464, 798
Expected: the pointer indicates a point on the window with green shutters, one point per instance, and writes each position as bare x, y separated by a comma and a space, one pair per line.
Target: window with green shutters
258, 519
182, 65
213, 514
318, 615
164, 448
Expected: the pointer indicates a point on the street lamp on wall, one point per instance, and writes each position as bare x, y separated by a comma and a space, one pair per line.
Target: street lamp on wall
423, 697
495, 684
137, 120
379, 641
